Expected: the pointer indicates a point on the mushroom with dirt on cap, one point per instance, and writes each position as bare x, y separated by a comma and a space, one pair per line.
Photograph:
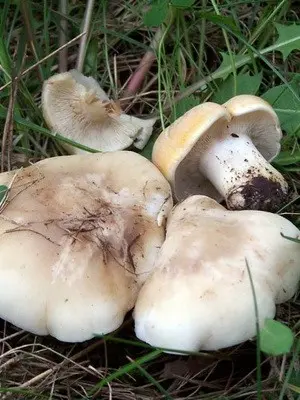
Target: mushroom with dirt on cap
223, 151
199, 295
76, 107
78, 237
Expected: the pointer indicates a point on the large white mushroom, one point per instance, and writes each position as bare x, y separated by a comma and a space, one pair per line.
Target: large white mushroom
78, 237
76, 107
199, 296
223, 151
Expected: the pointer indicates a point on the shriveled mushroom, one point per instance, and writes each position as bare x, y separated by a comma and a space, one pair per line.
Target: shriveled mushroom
78, 236
76, 107
224, 152
199, 295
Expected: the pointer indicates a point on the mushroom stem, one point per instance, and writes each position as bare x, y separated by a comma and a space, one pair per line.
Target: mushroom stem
242, 175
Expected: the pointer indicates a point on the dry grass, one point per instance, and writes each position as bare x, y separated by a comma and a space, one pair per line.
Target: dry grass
41, 367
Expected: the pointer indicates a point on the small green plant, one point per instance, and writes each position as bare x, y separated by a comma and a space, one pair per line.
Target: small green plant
276, 338
158, 12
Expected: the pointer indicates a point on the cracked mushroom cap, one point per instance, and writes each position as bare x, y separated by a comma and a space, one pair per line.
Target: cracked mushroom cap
179, 147
76, 107
78, 236
199, 294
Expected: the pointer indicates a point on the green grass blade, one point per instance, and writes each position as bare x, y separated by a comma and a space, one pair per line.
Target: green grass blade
39, 129
154, 382
126, 369
242, 60
288, 375
258, 355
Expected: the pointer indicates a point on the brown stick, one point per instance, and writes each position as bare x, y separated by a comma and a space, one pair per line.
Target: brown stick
84, 39
7, 137
63, 54
30, 35
144, 66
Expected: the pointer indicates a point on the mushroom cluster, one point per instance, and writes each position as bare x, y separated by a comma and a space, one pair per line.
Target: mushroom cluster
76, 107
99, 237
78, 237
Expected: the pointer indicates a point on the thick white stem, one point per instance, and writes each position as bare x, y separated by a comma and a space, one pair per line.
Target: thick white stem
237, 170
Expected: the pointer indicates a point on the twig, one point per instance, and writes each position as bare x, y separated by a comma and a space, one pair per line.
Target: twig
71, 42
25, 10
63, 55
18, 333
7, 137
8, 130
37, 378
65, 361
106, 50
86, 28
11, 361
144, 66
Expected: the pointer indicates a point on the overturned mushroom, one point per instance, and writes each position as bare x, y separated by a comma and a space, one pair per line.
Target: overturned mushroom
223, 152
78, 236
199, 295
76, 107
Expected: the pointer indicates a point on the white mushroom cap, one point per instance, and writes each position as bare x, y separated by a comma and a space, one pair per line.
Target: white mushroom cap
223, 152
199, 295
78, 237
76, 107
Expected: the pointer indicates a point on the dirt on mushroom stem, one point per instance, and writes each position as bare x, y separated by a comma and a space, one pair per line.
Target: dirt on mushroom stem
260, 193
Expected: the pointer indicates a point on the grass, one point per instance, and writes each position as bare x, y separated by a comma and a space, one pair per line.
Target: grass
209, 51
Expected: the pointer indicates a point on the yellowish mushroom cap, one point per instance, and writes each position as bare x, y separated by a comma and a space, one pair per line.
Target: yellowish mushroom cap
178, 147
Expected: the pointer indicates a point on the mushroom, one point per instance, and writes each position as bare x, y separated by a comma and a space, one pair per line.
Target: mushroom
199, 295
78, 237
76, 107
223, 152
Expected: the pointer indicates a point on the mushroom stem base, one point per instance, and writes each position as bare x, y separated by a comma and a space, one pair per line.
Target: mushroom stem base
242, 175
